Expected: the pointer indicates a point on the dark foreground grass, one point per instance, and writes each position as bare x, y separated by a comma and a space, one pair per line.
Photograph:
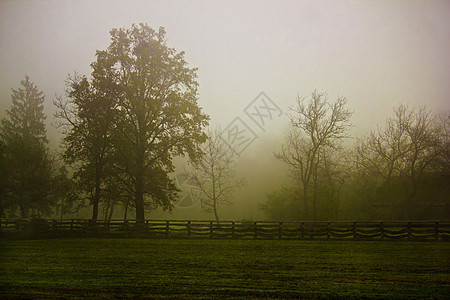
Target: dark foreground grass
158, 268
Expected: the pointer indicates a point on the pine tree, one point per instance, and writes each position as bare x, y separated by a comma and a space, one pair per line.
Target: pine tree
27, 162
3, 198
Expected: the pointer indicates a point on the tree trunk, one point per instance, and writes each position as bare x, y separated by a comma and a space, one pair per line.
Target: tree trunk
96, 199
139, 200
315, 167
95, 210
215, 211
314, 199
139, 191
314, 205
106, 211
305, 201
125, 212
61, 211
214, 193
111, 210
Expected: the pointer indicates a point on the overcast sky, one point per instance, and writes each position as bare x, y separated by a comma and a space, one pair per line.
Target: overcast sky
375, 53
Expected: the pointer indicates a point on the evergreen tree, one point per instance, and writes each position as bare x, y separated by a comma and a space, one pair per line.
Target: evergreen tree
27, 162
3, 178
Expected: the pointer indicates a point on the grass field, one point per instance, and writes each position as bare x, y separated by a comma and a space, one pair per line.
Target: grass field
158, 268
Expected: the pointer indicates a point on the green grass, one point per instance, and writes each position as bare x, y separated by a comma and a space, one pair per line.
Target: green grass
106, 268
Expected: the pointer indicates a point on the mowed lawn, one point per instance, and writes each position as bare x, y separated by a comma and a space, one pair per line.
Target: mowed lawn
180, 268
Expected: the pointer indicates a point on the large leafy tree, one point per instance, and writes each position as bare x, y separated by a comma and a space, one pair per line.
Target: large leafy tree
87, 118
27, 162
159, 118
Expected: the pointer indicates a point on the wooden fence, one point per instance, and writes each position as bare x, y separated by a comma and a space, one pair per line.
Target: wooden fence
414, 230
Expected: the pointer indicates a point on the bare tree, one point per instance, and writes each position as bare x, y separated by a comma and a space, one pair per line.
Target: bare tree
333, 173
316, 125
380, 152
442, 163
423, 145
409, 146
214, 173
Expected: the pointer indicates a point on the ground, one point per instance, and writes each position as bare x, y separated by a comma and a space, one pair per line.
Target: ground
181, 268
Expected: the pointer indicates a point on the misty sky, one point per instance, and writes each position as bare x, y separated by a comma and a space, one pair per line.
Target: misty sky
375, 53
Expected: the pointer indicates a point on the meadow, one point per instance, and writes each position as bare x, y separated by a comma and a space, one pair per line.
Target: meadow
216, 269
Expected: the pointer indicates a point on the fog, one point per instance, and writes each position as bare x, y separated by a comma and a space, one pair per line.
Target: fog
377, 54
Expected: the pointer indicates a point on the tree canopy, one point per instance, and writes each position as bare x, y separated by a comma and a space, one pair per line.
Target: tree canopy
157, 115
87, 118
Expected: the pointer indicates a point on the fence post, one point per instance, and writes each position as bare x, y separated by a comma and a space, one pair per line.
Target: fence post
280, 230
71, 225
409, 231
189, 228
167, 228
381, 230
255, 230
210, 229
354, 230
436, 230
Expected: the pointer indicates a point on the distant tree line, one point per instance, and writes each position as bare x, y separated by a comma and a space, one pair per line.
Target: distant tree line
398, 171
123, 125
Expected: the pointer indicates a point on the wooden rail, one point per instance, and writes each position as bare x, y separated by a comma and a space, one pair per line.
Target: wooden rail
398, 230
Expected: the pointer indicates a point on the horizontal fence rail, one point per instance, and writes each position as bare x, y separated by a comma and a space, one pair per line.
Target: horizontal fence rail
398, 230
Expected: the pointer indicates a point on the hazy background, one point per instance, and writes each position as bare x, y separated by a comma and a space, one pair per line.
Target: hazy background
375, 53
